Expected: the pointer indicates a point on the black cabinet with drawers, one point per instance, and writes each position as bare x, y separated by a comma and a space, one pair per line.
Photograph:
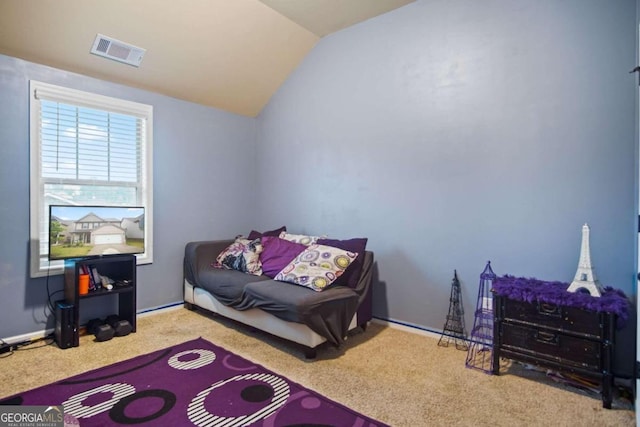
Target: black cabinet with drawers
566, 339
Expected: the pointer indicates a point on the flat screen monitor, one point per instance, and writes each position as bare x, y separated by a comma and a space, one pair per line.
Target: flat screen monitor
88, 231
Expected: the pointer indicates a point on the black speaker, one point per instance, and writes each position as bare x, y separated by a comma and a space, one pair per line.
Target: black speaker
64, 332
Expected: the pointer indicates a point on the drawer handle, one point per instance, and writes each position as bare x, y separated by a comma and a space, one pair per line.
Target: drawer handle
547, 338
549, 309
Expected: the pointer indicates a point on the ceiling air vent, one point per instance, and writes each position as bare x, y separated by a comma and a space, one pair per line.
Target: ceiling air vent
111, 48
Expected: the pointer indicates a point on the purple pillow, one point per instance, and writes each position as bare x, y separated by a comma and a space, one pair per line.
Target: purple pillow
255, 234
352, 274
277, 253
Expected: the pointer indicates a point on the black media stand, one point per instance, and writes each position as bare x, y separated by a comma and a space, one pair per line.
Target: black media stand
121, 269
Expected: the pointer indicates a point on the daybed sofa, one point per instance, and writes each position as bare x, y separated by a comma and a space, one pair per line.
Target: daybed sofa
289, 311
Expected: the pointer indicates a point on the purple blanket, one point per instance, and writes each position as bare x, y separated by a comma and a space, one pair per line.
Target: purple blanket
530, 290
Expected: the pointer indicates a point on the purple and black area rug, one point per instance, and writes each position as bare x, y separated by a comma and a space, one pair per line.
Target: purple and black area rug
192, 384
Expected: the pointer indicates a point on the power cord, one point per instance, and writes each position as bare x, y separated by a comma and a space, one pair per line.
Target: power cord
21, 346
49, 293
7, 349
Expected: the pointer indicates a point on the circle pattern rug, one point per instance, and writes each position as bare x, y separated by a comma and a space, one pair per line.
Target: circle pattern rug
195, 383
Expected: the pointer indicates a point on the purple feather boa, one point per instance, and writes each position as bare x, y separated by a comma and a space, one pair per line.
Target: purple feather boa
530, 290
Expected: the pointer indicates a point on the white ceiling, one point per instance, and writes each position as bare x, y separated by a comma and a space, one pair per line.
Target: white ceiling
228, 54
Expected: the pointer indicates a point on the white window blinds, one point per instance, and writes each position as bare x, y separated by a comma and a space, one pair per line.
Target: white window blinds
80, 143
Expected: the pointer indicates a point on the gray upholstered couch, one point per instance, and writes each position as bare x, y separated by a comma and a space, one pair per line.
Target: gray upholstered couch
286, 310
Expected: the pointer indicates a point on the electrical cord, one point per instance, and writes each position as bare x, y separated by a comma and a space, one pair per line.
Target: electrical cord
7, 349
21, 346
25, 345
4, 345
49, 294
56, 292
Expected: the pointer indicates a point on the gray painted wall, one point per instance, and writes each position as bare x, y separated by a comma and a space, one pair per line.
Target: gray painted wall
455, 132
203, 188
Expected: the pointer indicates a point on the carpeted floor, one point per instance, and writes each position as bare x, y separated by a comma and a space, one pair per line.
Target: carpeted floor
397, 377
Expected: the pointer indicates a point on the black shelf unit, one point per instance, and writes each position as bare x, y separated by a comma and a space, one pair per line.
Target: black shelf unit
120, 268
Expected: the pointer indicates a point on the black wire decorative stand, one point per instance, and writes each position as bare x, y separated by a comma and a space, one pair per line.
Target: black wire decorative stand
480, 353
454, 330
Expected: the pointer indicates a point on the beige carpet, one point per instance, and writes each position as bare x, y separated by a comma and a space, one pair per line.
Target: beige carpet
397, 377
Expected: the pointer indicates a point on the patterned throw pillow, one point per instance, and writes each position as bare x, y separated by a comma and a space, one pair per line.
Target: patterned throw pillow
300, 238
351, 275
317, 267
242, 255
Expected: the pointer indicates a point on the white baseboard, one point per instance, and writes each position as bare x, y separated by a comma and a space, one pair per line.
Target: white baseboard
161, 309
31, 336
403, 326
408, 327
36, 335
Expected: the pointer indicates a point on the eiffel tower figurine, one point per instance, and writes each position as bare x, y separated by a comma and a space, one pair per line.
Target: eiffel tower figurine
585, 277
480, 351
454, 326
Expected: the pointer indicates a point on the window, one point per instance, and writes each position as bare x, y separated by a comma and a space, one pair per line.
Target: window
86, 149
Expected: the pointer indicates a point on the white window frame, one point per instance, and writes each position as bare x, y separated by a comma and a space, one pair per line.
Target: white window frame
39, 90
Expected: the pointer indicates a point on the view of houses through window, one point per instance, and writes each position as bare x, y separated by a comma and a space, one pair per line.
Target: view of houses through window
79, 231
86, 150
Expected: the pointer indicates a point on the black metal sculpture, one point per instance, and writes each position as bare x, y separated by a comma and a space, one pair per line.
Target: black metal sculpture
454, 330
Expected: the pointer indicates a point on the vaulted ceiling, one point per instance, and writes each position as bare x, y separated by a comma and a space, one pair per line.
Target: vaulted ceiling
228, 54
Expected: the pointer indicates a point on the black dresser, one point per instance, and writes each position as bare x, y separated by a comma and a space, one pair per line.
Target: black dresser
561, 338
